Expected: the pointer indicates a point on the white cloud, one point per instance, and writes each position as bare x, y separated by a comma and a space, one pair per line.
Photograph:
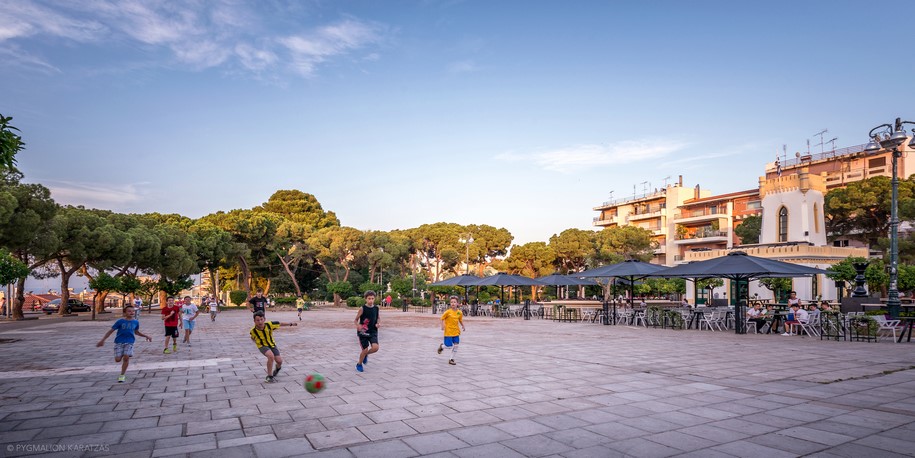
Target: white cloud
308, 50
574, 158
12, 56
201, 34
94, 194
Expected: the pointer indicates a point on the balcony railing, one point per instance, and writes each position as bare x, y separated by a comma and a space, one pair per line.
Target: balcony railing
702, 234
702, 212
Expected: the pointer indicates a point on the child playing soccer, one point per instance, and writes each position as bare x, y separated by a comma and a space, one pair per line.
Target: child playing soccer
170, 318
189, 313
300, 306
262, 335
367, 329
123, 342
450, 321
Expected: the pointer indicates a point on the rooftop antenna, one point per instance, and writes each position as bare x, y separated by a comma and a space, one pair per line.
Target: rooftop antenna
820, 133
833, 144
610, 197
808, 146
785, 151
644, 186
666, 179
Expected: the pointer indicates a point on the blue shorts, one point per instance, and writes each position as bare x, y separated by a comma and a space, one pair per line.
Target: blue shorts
189, 325
452, 340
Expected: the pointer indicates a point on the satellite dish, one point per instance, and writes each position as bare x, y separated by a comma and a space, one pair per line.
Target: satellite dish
797, 155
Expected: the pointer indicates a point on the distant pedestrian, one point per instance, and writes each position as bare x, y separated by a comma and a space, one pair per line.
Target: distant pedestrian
138, 305
262, 336
170, 319
126, 327
388, 300
367, 324
258, 303
212, 306
300, 306
452, 325
189, 313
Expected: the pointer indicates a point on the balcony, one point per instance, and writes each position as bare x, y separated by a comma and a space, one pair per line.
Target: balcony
654, 214
606, 221
696, 216
702, 236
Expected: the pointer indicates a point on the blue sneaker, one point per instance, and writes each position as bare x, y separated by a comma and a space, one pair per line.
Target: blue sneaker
358, 367
365, 360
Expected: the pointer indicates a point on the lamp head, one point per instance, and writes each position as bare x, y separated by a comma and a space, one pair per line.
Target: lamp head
912, 143
897, 138
872, 146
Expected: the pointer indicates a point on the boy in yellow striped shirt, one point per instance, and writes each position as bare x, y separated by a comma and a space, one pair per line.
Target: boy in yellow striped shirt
452, 325
262, 335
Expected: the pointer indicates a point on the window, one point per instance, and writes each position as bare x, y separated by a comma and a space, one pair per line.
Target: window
877, 162
816, 218
783, 224
754, 205
840, 243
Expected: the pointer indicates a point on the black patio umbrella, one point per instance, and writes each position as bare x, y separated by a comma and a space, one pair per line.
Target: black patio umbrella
461, 280
629, 270
502, 280
740, 267
558, 280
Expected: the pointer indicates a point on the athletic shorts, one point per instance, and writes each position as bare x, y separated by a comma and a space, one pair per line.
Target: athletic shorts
189, 324
452, 340
171, 331
274, 350
300, 309
366, 340
123, 349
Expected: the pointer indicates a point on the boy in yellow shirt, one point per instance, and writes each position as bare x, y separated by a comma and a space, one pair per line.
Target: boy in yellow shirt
450, 321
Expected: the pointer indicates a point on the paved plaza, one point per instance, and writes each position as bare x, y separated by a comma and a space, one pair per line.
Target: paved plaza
520, 388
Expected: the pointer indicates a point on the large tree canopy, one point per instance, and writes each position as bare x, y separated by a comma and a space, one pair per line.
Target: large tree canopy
861, 210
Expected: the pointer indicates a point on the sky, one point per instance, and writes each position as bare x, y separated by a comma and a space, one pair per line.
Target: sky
517, 114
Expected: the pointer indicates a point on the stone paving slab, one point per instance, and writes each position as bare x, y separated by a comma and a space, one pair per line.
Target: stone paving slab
521, 388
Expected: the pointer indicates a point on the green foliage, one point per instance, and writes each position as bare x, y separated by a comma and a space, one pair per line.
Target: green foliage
749, 229
776, 284
714, 282
238, 297
284, 300
10, 143
533, 259
129, 284
174, 287
343, 289
404, 286
103, 282
875, 275
905, 278
615, 244
665, 286
573, 248
366, 286
11, 269
355, 301
862, 208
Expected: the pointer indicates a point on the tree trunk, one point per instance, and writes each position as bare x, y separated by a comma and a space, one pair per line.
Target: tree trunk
337, 300
65, 286
214, 282
298, 291
246, 276
20, 300
99, 301
267, 288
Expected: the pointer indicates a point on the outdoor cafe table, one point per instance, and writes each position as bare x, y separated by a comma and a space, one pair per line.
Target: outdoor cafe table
698, 316
908, 323
777, 319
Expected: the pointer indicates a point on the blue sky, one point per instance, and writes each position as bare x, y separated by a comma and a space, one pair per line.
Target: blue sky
522, 115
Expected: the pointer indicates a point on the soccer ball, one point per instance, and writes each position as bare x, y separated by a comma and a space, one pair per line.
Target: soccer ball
314, 383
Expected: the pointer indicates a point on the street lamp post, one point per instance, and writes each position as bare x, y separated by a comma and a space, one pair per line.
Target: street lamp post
892, 137
466, 241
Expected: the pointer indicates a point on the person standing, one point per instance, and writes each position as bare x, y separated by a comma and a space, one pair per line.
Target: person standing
138, 305
170, 319
126, 328
367, 324
189, 313
262, 336
452, 325
258, 303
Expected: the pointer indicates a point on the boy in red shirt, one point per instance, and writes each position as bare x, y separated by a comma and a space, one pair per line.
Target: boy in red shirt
170, 317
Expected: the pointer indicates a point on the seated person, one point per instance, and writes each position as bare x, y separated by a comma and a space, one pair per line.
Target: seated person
794, 320
755, 314
685, 303
825, 307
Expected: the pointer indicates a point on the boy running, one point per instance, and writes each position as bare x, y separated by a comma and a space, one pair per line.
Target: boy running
300, 305
189, 313
170, 319
367, 329
262, 335
450, 321
123, 342
258, 303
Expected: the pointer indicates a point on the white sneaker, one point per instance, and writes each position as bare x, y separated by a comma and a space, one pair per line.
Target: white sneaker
786, 334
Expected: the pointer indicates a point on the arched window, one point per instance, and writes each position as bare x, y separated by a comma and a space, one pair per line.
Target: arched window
783, 224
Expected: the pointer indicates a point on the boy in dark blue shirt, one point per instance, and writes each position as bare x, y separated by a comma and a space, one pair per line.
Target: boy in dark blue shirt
123, 342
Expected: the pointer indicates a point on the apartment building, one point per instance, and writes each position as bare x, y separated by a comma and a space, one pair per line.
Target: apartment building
708, 223
652, 211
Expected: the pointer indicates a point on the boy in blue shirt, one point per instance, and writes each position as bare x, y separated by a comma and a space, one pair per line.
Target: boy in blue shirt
123, 342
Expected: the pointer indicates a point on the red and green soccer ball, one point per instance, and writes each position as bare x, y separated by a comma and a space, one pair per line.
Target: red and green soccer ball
314, 383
